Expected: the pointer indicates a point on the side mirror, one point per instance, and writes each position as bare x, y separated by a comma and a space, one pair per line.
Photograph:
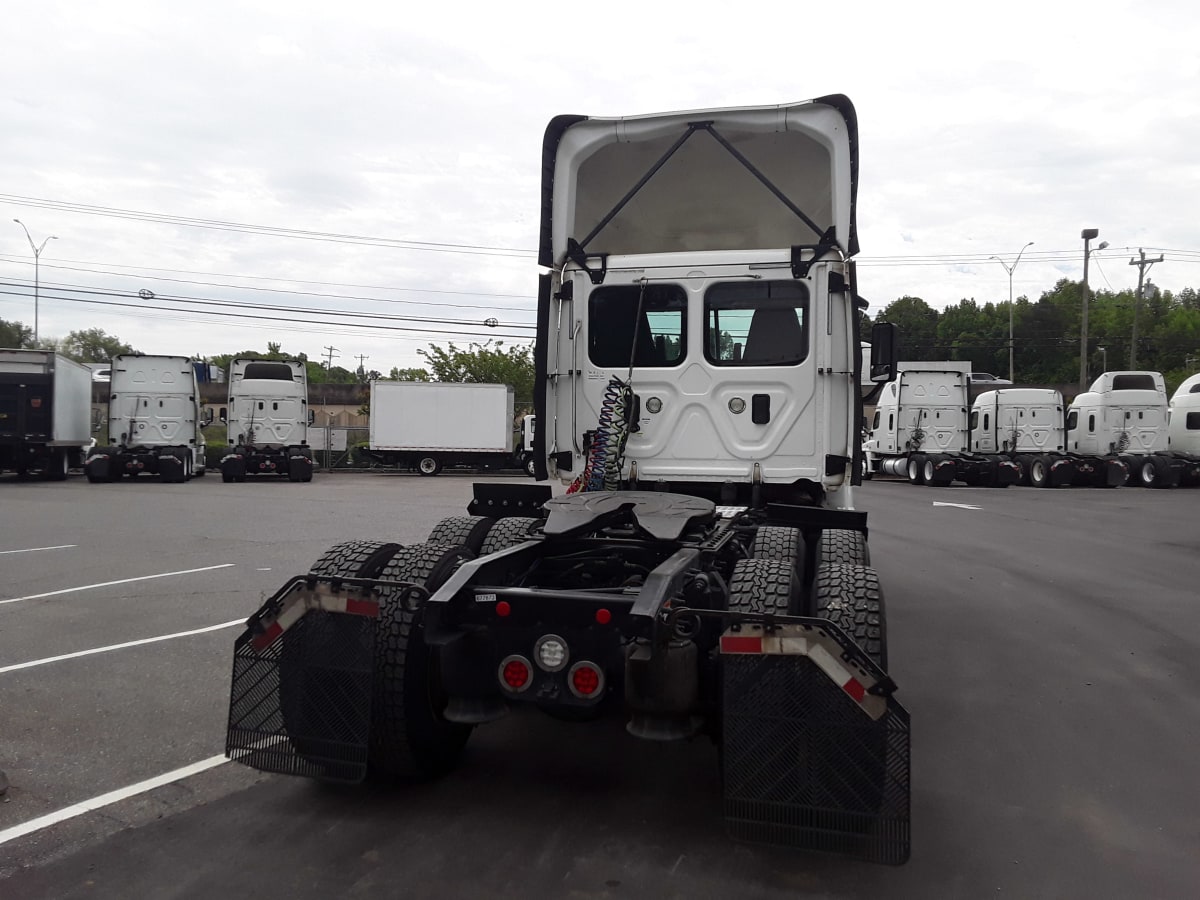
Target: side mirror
885, 352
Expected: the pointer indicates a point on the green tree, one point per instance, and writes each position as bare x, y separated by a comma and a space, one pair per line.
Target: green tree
488, 363
93, 345
917, 321
398, 374
15, 335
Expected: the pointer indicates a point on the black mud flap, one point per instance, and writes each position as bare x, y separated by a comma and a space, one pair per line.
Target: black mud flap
814, 755
300, 702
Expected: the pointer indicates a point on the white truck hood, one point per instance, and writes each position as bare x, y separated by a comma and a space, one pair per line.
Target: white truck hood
766, 177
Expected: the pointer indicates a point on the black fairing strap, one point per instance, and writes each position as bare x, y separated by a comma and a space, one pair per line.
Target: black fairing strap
576, 254
800, 265
541, 350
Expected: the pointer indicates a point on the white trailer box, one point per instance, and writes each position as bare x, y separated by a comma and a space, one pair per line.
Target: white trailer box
429, 415
426, 425
45, 411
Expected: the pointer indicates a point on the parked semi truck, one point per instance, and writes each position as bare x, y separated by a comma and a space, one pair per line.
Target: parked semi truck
1184, 427
429, 425
1028, 427
45, 413
921, 431
1125, 414
706, 573
268, 419
154, 421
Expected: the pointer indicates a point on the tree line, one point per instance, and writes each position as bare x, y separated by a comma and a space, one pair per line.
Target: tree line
1046, 333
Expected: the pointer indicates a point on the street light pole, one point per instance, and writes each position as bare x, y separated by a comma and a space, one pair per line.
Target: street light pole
1010, 269
37, 255
1087, 234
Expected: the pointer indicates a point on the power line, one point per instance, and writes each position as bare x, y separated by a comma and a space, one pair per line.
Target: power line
235, 304
264, 230
310, 330
94, 271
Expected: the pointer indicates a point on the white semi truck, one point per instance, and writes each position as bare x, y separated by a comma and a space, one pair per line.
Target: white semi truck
706, 573
268, 419
921, 431
427, 426
1184, 426
45, 413
1125, 414
1028, 427
154, 421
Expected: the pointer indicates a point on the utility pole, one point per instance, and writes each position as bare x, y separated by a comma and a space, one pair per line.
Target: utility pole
360, 358
1088, 235
330, 351
1143, 264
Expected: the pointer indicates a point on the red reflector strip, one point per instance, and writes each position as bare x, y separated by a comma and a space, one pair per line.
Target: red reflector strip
368, 608
854, 688
737, 643
267, 637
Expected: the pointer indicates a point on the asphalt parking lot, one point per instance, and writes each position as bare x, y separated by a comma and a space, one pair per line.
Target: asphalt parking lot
1046, 644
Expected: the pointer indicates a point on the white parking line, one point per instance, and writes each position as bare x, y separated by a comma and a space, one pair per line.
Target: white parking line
111, 797
138, 643
39, 549
88, 587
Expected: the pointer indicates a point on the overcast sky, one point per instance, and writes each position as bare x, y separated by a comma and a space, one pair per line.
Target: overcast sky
421, 124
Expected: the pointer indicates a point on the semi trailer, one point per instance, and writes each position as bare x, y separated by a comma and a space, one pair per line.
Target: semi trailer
45, 413
921, 431
268, 419
1028, 427
155, 425
1125, 414
701, 569
427, 426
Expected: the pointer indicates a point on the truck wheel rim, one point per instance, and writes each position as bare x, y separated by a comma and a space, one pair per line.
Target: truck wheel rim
929, 471
428, 465
1148, 473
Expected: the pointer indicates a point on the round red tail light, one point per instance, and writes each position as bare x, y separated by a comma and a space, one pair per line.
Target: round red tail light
586, 680
516, 673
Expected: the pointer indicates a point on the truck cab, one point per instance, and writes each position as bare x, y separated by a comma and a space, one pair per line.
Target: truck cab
702, 343
1184, 427
1018, 420
1122, 412
154, 421
268, 419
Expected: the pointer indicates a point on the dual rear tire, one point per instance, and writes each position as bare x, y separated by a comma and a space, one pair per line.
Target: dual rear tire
409, 737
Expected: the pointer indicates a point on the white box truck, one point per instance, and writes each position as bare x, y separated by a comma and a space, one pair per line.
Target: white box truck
268, 419
921, 430
428, 425
45, 412
154, 421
